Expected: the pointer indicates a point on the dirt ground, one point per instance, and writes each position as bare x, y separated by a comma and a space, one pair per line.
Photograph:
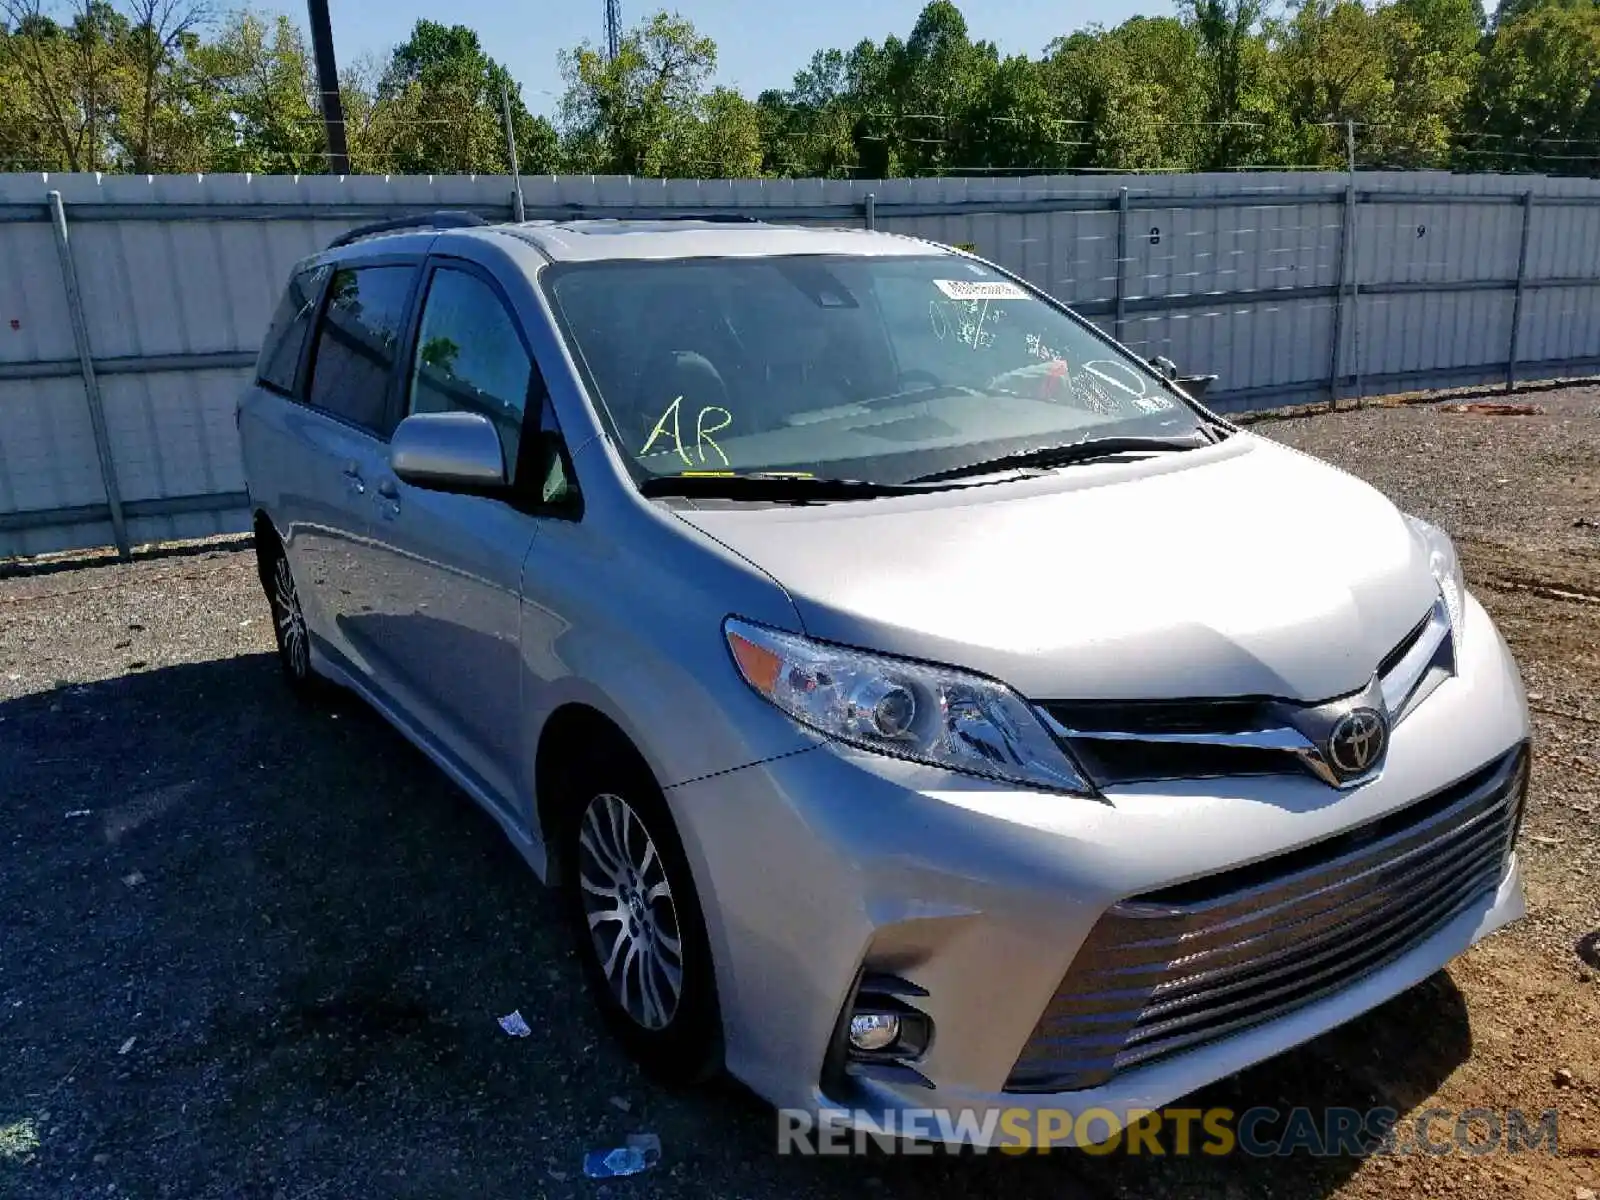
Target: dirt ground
250, 949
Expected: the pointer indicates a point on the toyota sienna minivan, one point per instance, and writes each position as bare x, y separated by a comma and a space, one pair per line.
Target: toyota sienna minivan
920, 701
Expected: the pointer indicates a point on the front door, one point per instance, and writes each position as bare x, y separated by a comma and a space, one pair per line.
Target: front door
448, 568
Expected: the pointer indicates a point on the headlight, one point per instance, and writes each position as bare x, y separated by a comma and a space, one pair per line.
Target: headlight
934, 715
1446, 567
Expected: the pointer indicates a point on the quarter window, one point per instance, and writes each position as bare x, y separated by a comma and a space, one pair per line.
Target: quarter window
358, 342
279, 363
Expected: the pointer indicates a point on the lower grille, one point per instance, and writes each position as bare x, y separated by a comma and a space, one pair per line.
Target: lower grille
1168, 970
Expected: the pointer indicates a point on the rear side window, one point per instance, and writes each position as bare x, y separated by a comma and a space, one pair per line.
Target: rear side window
357, 342
280, 353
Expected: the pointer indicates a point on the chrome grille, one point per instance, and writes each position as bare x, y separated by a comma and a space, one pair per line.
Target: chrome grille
1168, 970
1117, 742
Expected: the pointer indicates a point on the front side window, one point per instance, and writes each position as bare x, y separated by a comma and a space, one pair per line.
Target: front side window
357, 343
875, 368
470, 358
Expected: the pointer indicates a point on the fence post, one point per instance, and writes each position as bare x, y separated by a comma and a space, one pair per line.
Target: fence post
1339, 257
1355, 267
517, 211
91, 385
872, 211
1516, 303
1122, 264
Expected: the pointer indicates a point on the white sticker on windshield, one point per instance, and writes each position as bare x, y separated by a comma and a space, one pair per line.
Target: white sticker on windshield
964, 289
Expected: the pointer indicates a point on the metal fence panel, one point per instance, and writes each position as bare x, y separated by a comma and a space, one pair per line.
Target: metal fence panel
1561, 324
47, 453
1244, 275
34, 325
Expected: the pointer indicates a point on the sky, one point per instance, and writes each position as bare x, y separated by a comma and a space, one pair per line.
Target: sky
760, 44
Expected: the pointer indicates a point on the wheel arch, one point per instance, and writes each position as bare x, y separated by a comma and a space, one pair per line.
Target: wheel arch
571, 727
267, 541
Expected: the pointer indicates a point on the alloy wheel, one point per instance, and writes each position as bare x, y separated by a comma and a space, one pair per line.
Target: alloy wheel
291, 622
629, 909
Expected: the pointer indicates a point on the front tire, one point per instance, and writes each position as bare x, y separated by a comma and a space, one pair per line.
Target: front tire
637, 919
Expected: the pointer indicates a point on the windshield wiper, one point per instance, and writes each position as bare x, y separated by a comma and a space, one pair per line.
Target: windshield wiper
1063, 455
772, 486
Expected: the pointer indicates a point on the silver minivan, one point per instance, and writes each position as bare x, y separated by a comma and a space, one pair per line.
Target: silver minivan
921, 701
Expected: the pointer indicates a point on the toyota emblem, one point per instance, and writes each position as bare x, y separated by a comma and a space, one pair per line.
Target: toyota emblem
1357, 741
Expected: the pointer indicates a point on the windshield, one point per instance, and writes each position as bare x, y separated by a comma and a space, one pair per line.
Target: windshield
882, 369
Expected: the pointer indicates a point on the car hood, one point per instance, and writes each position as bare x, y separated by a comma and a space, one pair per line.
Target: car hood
1242, 569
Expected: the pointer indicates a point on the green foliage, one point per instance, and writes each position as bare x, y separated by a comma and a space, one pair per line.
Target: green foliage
1535, 104
166, 85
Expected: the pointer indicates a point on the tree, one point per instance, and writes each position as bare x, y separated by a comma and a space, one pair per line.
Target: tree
1535, 104
1234, 61
1131, 98
264, 109
25, 142
439, 107
639, 112
810, 129
70, 71
160, 36
728, 137
153, 85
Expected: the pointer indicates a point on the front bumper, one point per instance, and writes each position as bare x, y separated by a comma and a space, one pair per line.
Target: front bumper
813, 865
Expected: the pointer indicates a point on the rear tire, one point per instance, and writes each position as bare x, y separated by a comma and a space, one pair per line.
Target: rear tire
636, 916
289, 627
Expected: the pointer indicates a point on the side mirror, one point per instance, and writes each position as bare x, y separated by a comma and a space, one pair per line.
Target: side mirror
1166, 367
448, 452
1195, 386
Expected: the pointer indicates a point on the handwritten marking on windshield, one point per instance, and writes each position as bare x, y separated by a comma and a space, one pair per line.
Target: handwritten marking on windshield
670, 426
702, 434
965, 320
661, 430
1038, 349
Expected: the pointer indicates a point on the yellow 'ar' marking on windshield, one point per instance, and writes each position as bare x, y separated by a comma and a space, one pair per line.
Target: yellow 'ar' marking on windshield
661, 429
702, 431
702, 435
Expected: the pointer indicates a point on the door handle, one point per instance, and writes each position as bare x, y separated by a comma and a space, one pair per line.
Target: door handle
388, 499
352, 477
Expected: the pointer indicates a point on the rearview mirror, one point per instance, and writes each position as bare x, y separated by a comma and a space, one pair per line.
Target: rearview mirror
448, 451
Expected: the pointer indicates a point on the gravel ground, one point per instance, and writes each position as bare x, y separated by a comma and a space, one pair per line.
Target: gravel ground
252, 949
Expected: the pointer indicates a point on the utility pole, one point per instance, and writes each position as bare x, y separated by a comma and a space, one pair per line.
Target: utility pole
613, 29
328, 87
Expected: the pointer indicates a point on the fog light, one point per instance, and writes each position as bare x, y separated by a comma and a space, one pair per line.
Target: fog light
874, 1031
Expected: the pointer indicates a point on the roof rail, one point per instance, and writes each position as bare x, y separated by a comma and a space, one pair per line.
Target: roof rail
580, 212
715, 218
443, 219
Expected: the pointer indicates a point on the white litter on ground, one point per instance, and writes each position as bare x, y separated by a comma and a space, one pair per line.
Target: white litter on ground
513, 1024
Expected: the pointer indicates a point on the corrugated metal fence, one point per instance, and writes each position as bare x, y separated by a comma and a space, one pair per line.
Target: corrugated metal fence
131, 307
